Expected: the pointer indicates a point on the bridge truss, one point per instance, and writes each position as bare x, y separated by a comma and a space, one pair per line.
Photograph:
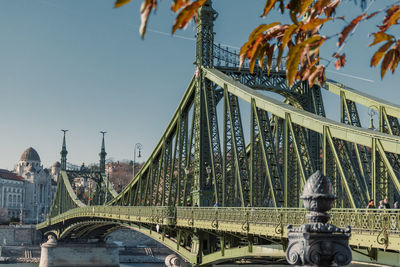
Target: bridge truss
203, 158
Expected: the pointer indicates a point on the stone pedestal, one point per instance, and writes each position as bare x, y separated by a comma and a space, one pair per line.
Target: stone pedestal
175, 261
318, 243
55, 254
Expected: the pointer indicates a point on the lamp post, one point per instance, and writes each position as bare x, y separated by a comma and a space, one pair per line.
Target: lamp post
139, 147
372, 112
208, 170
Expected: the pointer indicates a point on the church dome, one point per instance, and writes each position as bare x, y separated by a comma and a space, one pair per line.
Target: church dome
30, 154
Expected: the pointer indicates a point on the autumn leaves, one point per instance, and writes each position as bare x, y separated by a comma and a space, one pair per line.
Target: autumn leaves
303, 40
187, 12
300, 40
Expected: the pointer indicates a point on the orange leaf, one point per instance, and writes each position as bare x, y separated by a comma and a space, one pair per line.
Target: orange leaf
331, 8
270, 54
288, 35
178, 4
299, 6
259, 50
145, 10
292, 63
268, 6
294, 56
349, 28
313, 23
318, 73
321, 5
326, 6
380, 37
249, 49
186, 15
119, 3
279, 59
387, 62
379, 54
310, 69
262, 51
392, 15
260, 29
396, 60
373, 14
341, 60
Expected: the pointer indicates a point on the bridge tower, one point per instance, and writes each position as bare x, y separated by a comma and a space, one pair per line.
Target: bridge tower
204, 163
64, 153
102, 155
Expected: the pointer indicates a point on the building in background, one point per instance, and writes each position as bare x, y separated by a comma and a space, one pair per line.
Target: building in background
39, 186
12, 192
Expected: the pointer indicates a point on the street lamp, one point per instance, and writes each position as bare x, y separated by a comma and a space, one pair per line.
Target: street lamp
139, 147
371, 112
208, 170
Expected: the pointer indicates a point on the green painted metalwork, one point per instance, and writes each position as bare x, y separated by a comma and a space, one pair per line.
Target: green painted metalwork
198, 162
278, 142
102, 155
64, 153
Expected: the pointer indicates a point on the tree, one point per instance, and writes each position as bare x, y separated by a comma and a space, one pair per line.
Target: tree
300, 40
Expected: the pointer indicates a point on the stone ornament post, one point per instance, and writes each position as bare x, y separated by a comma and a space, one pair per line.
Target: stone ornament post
318, 243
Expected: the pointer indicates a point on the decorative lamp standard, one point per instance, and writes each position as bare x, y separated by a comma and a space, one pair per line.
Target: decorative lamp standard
208, 170
139, 147
371, 112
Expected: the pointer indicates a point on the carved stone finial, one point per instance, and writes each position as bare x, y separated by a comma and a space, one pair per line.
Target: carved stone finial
318, 243
318, 197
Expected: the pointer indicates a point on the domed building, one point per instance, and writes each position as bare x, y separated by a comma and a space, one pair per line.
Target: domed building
39, 185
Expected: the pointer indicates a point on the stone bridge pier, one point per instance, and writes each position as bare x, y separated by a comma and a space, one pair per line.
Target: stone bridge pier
66, 254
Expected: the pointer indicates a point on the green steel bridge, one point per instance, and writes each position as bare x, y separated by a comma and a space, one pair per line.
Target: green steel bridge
257, 184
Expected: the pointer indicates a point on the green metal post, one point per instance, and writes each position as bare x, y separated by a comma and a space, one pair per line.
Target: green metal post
286, 160
324, 152
64, 153
201, 194
373, 170
102, 155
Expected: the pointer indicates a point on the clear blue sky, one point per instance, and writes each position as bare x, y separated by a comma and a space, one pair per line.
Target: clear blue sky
81, 65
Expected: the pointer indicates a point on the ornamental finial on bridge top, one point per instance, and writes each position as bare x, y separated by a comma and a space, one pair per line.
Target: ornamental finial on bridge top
205, 35
318, 243
103, 154
64, 152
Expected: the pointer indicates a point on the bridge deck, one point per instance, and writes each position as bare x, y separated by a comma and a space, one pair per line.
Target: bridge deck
370, 228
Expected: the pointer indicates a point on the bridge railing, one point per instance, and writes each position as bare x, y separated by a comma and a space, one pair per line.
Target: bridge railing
225, 57
360, 220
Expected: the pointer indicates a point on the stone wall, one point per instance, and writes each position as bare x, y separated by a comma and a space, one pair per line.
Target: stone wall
17, 235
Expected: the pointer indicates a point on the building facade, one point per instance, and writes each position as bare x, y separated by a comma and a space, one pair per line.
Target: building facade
12, 191
38, 186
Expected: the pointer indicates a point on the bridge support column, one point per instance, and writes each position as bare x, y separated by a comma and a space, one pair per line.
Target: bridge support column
55, 254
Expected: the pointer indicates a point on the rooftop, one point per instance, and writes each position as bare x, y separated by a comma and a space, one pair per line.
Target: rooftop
7, 175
